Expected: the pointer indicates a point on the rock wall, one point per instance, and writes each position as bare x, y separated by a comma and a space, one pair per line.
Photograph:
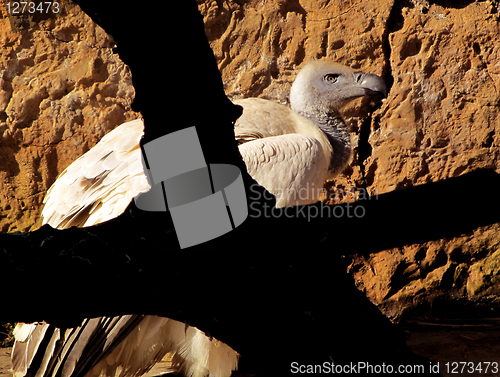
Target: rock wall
63, 87
441, 118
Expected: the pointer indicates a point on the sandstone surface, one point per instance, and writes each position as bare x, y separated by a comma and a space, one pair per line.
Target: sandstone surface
63, 87
441, 119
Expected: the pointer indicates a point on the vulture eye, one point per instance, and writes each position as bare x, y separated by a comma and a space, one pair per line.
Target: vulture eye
331, 77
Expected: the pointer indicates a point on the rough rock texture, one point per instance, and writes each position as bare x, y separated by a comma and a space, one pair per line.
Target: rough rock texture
441, 119
261, 45
62, 88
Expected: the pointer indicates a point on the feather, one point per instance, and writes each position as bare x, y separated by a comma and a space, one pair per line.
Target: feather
99, 174
28, 338
292, 167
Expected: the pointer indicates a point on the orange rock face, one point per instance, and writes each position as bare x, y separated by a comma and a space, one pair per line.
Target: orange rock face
441, 119
63, 87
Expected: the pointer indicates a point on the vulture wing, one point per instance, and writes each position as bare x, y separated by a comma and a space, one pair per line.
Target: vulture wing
283, 151
100, 184
95, 188
28, 338
266, 118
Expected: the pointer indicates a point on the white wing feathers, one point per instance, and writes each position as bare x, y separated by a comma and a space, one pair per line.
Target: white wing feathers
100, 184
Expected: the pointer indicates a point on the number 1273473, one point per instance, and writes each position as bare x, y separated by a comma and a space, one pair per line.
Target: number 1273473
468, 367
30, 7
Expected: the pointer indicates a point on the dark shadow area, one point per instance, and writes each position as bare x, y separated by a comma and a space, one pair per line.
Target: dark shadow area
276, 288
139, 250
454, 343
454, 4
427, 212
404, 217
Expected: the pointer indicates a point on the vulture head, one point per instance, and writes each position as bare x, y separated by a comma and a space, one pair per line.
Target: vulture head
324, 86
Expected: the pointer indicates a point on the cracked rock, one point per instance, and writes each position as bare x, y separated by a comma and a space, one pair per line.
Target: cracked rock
62, 89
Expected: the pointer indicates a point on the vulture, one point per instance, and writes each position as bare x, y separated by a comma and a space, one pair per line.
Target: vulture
291, 152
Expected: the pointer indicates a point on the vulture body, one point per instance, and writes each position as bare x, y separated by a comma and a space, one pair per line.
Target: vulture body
288, 156
290, 152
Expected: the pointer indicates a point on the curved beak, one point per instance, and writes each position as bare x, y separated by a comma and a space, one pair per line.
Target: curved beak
372, 84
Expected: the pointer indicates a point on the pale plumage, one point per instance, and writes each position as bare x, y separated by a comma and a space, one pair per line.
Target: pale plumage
288, 154
95, 188
119, 346
28, 338
291, 152
100, 184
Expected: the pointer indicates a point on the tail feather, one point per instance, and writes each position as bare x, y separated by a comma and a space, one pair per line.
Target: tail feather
200, 356
28, 339
125, 346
